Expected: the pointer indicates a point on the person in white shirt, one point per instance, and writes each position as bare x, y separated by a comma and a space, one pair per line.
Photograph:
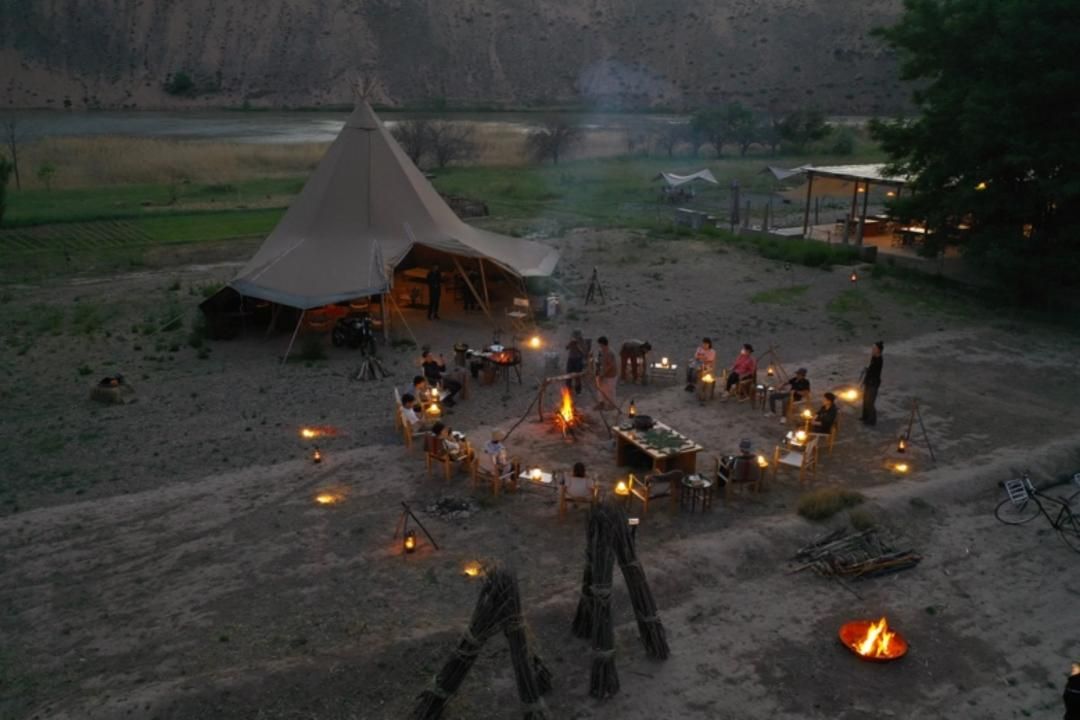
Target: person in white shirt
408, 411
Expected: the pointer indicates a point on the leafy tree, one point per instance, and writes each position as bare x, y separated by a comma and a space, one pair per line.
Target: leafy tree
711, 125
993, 155
414, 137
672, 135
45, 173
6, 169
180, 84
451, 142
553, 138
842, 141
801, 127
742, 125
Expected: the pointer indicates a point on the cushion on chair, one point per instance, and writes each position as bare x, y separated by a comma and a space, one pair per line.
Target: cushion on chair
794, 459
660, 485
579, 487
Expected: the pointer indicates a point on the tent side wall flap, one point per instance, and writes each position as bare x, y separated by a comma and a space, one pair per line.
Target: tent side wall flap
362, 210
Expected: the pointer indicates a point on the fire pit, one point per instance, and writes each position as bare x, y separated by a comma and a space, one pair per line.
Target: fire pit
567, 418
873, 641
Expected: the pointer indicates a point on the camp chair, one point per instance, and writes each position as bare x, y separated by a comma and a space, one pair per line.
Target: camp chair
519, 313
577, 491
483, 472
745, 388
436, 455
408, 432
741, 472
805, 459
656, 486
795, 407
831, 435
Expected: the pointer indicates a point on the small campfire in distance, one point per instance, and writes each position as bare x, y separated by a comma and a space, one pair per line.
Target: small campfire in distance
567, 417
310, 433
873, 641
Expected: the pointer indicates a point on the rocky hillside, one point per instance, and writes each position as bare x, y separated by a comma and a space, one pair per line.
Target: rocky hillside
307, 53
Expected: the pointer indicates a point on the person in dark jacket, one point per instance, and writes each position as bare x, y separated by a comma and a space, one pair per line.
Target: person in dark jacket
871, 383
434, 284
826, 416
1072, 694
577, 350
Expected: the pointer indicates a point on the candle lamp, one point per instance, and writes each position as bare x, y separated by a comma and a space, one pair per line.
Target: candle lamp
708, 378
408, 543
663, 362
621, 488
316, 457
434, 410
537, 474
473, 569
534, 342
901, 444
762, 462
800, 436
901, 468
770, 371
632, 410
854, 276
851, 395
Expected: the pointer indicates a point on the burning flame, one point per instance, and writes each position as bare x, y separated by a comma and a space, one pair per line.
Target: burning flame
327, 498
537, 474
762, 462
473, 569
566, 410
876, 641
851, 395
621, 488
901, 468
708, 378
310, 433
534, 342
433, 409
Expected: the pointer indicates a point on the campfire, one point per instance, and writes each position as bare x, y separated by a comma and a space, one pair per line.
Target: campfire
567, 417
873, 641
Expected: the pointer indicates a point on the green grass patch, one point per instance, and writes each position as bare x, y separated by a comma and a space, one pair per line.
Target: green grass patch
823, 503
851, 300
87, 318
780, 296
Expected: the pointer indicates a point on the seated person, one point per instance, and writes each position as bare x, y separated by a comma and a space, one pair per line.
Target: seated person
745, 366
826, 417
578, 485
419, 389
499, 463
739, 467
435, 373
408, 412
443, 444
798, 388
704, 361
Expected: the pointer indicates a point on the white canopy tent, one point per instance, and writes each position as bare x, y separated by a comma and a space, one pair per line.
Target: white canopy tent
674, 180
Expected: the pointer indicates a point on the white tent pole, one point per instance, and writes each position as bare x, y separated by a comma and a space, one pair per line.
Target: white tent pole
292, 339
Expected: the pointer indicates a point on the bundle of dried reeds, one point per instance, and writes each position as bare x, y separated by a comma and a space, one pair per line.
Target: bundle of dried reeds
583, 618
650, 629
858, 555
497, 608
604, 679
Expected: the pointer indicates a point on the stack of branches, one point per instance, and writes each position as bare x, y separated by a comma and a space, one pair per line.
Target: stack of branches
854, 555
497, 609
608, 539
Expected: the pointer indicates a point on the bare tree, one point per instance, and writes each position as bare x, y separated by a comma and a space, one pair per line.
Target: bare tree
451, 142
5, 173
414, 137
671, 136
13, 137
553, 138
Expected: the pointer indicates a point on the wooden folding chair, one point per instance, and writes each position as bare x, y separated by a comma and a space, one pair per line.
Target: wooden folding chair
520, 314
739, 472
831, 435
656, 487
804, 459
585, 491
483, 473
436, 456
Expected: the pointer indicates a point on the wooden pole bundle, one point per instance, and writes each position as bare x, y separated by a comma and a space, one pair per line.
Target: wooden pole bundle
650, 629
583, 618
604, 678
497, 608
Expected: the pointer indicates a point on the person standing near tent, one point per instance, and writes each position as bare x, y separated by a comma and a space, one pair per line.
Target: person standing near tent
606, 374
871, 383
434, 284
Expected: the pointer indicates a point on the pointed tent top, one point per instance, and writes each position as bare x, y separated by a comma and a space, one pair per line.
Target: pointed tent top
363, 117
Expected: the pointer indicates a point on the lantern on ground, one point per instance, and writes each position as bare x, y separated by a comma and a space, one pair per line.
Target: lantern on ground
901, 444
770, 371
473, 569
534, 342
800, 436
632, 410
537, 474
316, 457
621, 488
854, 277
762, 462
901, 468
408, 543
851, 394
664, 362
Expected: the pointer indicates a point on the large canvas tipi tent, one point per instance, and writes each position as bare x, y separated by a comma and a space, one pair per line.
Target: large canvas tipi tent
361, 212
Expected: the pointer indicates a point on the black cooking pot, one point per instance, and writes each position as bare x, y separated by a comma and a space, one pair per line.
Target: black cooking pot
643, 422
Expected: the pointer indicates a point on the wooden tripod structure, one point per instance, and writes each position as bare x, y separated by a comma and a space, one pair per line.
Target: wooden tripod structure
770, 358
916, 414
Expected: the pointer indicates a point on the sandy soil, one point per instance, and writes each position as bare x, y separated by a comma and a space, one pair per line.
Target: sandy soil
166, 559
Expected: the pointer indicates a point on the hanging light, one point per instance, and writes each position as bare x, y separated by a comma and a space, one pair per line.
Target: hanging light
621, 488
901, 444
408, 543
770, 371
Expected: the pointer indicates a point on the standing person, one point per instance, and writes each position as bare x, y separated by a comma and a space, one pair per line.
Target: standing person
1072, 694
606, 374
871, 383
703, 362
631, 354
745, 366
576, 352
434, 285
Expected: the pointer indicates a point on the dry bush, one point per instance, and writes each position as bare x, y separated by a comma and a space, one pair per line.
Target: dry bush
823, 503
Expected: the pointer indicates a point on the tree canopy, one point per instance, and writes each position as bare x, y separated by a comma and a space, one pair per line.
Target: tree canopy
993, 154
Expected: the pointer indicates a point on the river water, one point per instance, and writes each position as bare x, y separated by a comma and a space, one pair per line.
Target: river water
278, 127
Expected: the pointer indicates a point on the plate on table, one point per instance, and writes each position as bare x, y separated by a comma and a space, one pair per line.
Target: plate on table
496, 348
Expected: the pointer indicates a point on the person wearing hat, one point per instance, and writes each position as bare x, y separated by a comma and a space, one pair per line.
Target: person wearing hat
738, 468
798, 389
871, 383
745, 366
1071, 697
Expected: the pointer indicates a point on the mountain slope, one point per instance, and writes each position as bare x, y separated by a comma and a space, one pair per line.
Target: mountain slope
615, 53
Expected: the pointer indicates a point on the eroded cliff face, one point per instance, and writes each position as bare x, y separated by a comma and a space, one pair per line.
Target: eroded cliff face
612, 53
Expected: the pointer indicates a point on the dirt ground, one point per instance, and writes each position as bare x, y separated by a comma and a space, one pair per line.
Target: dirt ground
165, 559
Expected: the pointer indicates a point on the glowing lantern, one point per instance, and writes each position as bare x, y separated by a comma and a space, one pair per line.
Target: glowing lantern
851, 395
807, 414
409, 541
800, 436
708, 378
891, 193
981, 186
854, 277
434, 410
762, 462
316, 457
621, 488
663, 362
534, 342
308, 433
901, 444
473, 569
901, 468
770, 371
327, 498
537, 474
632, 411
434, 392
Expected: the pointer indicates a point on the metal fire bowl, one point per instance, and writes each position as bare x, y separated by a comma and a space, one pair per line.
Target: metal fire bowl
851, 633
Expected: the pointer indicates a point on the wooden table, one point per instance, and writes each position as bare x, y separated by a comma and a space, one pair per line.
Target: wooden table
683, 458
697, 493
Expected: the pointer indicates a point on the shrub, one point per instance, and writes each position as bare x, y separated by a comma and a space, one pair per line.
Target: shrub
180, 84
861, 519
823, 503
842, 141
